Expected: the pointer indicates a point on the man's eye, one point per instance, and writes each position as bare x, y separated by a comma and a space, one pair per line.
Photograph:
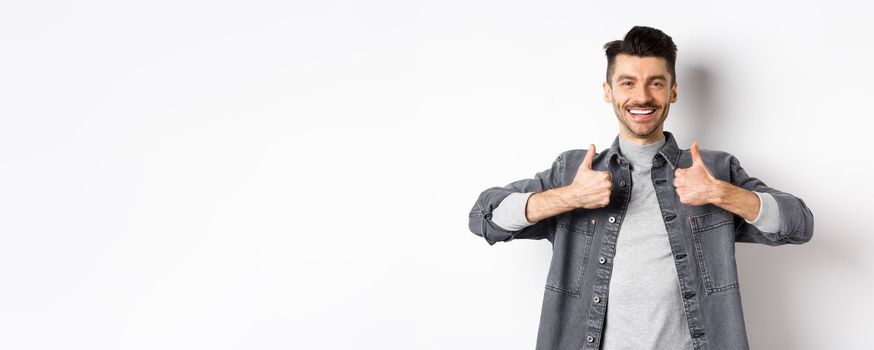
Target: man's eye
627, 83
657, 83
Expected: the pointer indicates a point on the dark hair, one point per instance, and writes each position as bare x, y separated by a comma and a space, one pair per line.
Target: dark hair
642, 41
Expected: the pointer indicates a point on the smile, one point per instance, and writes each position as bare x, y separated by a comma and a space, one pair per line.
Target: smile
641, 114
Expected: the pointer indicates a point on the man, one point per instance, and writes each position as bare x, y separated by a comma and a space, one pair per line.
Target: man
643, 233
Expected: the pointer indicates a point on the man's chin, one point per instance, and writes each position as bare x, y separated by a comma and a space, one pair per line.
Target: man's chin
643, 132
640, 131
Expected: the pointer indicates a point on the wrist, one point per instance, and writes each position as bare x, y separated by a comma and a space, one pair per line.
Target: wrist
722, 193
545, 204
565, 197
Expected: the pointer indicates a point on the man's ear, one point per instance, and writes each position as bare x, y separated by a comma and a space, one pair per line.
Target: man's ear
674, 92
607, 93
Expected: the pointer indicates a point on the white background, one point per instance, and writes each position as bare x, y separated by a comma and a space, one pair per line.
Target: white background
297, 175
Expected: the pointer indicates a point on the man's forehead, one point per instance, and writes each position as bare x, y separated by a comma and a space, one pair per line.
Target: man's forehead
637, 67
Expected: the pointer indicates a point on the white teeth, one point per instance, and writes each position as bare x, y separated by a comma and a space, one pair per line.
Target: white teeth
641, 111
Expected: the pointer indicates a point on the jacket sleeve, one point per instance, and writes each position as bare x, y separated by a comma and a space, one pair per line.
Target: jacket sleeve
796, 219
480, 218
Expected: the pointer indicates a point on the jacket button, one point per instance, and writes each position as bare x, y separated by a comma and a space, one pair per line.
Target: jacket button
611, 219
622, 183
590, 338
602, 260
596, 300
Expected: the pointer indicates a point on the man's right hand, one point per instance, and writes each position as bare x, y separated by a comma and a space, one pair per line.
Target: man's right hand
590, 189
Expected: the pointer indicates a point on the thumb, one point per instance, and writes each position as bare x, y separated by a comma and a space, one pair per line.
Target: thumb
696, 155
587, 162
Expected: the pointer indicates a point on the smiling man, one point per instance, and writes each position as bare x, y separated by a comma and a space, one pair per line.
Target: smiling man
643, 234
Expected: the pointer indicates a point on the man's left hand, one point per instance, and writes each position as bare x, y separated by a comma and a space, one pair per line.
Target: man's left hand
696, 185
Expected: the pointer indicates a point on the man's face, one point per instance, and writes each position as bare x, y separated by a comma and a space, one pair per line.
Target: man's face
641, 96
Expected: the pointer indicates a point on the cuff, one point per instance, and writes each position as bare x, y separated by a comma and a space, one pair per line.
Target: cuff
510, 214
768, 219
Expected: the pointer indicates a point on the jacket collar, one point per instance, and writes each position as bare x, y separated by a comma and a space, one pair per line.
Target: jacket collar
669, 151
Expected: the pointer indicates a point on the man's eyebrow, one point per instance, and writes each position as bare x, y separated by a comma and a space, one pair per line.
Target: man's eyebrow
654, 77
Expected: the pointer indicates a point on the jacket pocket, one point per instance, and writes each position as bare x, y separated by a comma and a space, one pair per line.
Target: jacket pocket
570, 255
713, 234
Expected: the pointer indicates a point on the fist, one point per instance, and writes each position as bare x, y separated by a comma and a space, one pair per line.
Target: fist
590, 189
695, 185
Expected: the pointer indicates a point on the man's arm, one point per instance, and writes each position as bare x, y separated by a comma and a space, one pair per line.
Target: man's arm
499, 214
520, 210
736, 200
549, 203
482, 223
757, 208
769, 216
795, 218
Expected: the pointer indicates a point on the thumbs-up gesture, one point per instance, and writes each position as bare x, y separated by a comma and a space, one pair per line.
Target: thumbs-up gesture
696, 185
590, 189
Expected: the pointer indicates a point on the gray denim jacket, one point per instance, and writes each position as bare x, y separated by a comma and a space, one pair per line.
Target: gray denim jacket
702, 241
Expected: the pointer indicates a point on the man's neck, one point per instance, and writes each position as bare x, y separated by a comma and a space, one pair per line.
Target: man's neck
640, 154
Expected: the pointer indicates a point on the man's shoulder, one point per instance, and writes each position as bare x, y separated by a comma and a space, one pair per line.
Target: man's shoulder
712, 153
576, 152
711, 157
572, 158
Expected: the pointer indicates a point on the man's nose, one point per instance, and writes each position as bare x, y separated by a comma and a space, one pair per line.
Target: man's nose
642, 95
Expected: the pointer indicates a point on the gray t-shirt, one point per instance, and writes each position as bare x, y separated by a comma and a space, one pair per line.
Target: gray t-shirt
644, 304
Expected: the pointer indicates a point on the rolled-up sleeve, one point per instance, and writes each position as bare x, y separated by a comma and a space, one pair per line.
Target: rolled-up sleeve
510, 214
481, 218
795, 220
768, 219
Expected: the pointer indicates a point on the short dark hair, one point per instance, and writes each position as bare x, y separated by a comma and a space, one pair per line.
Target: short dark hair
642, 41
